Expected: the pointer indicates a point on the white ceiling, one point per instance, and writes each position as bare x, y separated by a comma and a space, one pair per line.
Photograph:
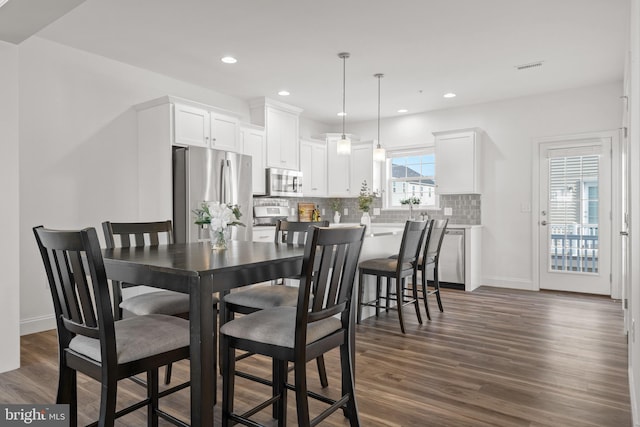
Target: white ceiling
425, 48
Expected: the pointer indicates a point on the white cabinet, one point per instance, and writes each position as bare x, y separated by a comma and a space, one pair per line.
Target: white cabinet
264, 234
281, 123
458, 161
253, 144
361, 167
313, 164
199, 124
345, 174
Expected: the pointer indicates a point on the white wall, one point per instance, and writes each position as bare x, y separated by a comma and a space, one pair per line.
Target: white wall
511, 126
9, 214
78, 153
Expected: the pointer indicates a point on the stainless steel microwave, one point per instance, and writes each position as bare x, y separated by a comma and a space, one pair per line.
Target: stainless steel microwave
284, 183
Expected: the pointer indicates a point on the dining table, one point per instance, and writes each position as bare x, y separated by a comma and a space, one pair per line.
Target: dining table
198, 270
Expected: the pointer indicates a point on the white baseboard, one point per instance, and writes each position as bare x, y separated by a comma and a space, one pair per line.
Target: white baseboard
37, 324
508, 282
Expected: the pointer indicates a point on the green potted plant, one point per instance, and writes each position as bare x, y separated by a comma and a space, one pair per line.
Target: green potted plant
410, 201
220, 218
365, 200
336, 207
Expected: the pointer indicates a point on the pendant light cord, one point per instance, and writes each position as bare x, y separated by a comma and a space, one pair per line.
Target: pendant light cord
344, 86
379, 77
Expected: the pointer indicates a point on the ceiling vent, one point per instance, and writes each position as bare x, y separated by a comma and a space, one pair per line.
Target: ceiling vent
529, 65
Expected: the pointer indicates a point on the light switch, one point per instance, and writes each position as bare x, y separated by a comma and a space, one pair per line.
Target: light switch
376, 211
448, 211
346, 211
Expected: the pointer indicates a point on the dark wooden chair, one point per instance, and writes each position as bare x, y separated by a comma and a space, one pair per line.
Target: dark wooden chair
431, 257
318, 323
248, 301
397, 269
91, 341
140, 234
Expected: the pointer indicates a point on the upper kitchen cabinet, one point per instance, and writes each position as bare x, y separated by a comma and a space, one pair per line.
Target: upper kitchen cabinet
313, 164
254, 144
193, 123
281, 123
346, 173
458, 161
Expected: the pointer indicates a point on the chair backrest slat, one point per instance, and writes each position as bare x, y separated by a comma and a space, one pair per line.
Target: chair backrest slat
82, 289
328, 272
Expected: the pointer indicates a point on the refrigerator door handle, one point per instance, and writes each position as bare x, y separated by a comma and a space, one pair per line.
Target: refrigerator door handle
225, 190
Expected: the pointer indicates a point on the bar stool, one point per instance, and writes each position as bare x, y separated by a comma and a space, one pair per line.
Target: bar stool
395, 268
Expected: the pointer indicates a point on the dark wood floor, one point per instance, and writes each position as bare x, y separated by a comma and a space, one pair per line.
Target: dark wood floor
494, 358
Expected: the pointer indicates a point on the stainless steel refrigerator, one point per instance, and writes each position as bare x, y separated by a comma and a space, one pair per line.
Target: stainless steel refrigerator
206, 175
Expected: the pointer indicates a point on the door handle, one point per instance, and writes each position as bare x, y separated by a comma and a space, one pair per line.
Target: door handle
624, 233
543, 222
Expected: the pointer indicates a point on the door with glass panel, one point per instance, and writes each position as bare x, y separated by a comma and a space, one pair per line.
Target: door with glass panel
575, 216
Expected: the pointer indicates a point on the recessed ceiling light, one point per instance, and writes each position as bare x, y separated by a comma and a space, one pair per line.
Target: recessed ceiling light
449, 95
228, 60
403, 110
342, 113
284, 93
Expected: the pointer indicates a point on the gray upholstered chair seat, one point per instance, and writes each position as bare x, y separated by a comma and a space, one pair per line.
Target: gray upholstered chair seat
277, 326
139, 337
262, 297
430, 260
158, 302
383, 264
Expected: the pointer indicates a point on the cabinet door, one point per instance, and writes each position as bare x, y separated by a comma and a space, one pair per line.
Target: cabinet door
313, 164
253, 144
338, 172
224, 133
361, 164
191, 126
282, 139
456, 163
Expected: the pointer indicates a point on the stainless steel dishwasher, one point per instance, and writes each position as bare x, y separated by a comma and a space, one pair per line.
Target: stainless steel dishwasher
451, 259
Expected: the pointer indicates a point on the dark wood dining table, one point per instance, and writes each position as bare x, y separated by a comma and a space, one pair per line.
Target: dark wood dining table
196, 269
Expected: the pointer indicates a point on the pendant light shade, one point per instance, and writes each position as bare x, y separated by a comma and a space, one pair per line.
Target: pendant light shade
344, 145
379, 153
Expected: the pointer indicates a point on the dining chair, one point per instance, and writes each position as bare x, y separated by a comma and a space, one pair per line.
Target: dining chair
319, 322
91, 341
277, 294
140, 234
431, 257
397, 269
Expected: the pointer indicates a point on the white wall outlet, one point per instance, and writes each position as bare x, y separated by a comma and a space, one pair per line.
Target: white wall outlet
293, 211
346, 211
322, 212
376, 211
448, 211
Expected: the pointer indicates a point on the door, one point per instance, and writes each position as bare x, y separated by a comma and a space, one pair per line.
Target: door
575, 216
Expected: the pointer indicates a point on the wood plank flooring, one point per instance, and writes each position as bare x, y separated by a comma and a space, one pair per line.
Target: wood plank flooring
495, 357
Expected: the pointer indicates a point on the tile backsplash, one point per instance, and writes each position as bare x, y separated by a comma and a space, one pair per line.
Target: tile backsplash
465, 208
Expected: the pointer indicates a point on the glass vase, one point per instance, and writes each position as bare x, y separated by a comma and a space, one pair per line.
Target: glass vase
366, 220
219, 238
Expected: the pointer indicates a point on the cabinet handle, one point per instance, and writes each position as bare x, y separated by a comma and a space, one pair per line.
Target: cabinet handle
314, 188
213, 139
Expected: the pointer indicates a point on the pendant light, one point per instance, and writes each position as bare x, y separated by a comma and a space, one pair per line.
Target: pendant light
379, 153
344, 145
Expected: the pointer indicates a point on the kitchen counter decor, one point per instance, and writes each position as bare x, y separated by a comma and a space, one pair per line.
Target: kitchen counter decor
220, 217
365, 200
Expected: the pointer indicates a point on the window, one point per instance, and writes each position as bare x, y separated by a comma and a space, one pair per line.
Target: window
411, 174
